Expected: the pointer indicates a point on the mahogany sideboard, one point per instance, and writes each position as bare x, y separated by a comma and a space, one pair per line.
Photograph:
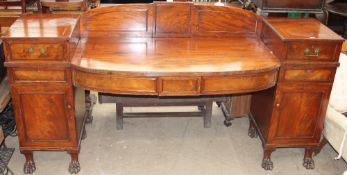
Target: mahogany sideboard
169, 49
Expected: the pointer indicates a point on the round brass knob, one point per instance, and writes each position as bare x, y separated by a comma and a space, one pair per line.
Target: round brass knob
42, 51
69, 106
278, 105
31, 50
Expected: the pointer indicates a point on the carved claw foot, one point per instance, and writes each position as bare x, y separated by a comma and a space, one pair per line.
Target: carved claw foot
252, 133
227, 122
267, 164
29, 167
74, 167
308, 163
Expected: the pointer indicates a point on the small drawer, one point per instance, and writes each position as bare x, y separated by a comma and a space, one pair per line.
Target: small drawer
179, 86
323, 75
113, 83
315, 51
239, 83
36, 76
47, 51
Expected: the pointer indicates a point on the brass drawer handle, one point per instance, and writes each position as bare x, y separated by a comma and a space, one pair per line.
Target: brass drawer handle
31, 50
42, 51
309, 54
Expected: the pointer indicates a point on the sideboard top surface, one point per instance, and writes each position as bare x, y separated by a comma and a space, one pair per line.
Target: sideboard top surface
175, 55
43, 26
302, 28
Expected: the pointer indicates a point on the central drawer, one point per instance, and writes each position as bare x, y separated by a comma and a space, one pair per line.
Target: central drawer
41, 51
179, 86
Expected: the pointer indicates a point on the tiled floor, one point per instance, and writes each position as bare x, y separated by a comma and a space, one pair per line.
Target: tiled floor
173, 146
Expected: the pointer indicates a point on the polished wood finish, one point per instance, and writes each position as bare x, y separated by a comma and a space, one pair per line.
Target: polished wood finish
291, 114
50, 112
287, 64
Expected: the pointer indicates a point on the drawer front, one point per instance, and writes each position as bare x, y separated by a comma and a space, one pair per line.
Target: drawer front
322, 75
315, 51
238, 83
179, 86
37, 76
115, 84
48, 51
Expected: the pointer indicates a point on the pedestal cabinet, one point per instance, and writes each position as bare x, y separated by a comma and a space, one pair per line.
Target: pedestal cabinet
50, 112
292, 113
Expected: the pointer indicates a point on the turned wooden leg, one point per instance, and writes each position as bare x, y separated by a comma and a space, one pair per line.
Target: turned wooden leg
252, 131
322, 143
308, 161
74, 166
208, 115
119, 117
29, 165
267, 163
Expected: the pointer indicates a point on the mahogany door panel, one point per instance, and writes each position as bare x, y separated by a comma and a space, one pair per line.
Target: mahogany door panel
299, 111
43, 115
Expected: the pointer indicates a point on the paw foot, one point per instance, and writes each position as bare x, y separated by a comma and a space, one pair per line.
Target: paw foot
227, 123
252, 133
308, 163
29, 167
267, 164
74, 167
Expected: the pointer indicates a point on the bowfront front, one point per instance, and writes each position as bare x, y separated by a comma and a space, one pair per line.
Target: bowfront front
169, 49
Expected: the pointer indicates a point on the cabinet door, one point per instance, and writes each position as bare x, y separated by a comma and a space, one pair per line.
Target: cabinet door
44, 116
299, 112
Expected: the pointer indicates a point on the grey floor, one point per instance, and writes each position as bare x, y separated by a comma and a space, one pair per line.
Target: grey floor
173, 146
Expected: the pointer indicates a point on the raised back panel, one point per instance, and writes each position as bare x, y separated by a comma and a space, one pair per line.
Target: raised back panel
119, 20
222, 21
164, 19
173, 19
